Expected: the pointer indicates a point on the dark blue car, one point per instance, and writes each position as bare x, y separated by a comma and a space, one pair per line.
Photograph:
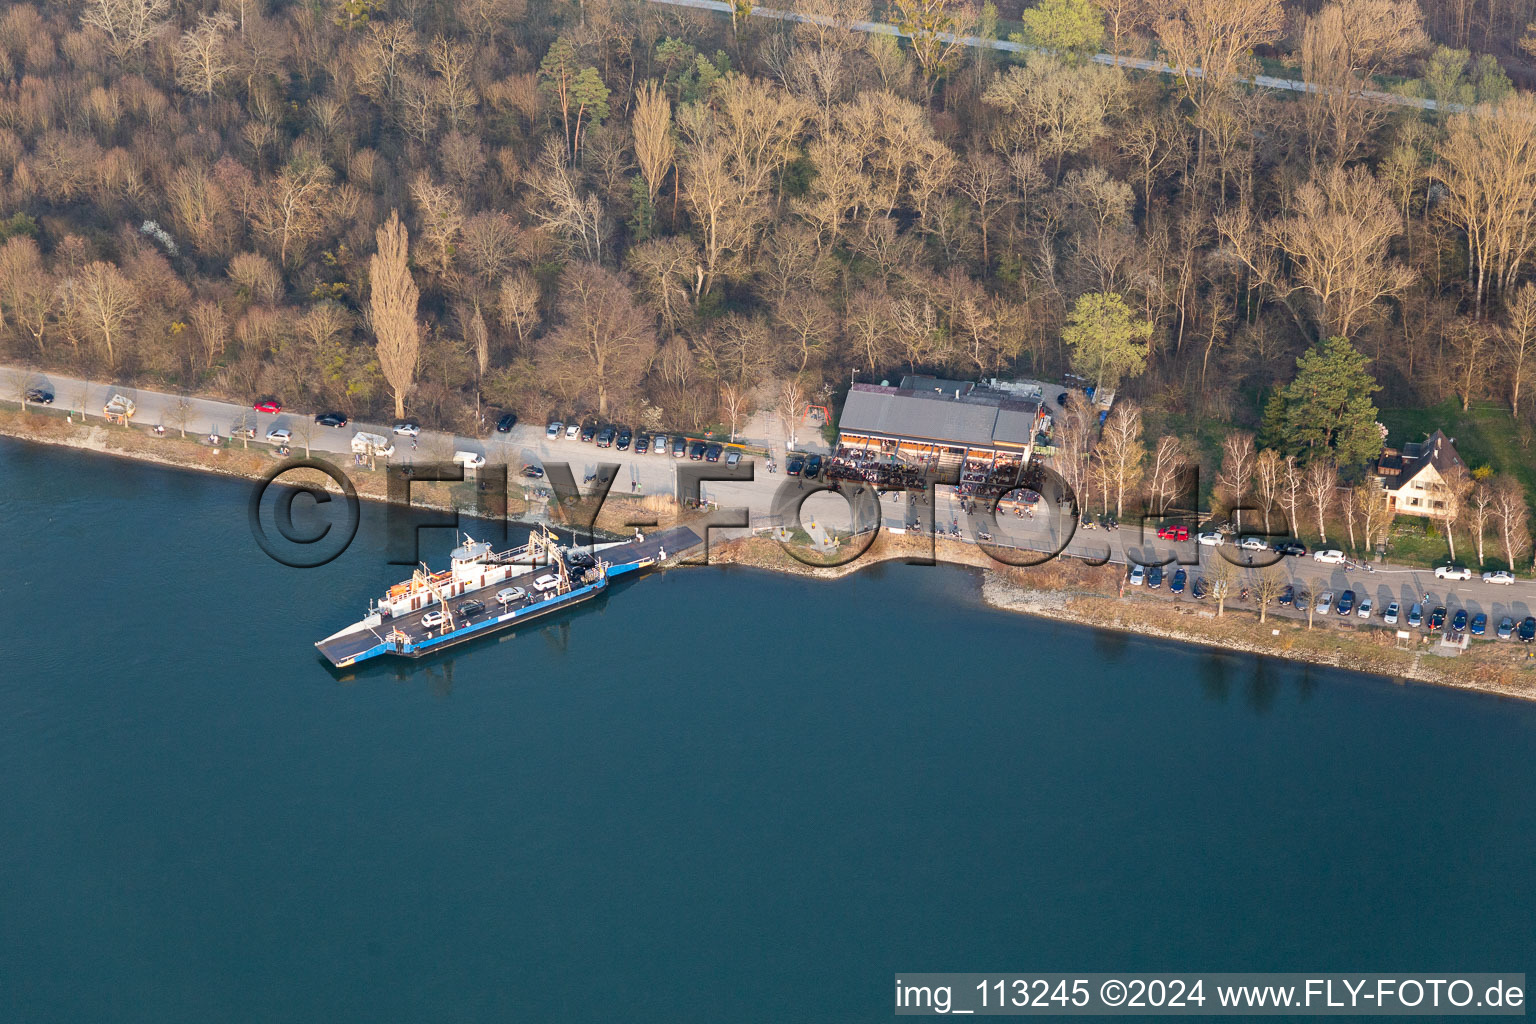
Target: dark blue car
1346, 602
1154, 577
1177, 586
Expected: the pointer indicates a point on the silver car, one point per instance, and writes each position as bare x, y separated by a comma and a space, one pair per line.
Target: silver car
1324, 602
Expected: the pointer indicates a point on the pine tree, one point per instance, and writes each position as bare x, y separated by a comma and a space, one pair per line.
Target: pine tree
1327, 408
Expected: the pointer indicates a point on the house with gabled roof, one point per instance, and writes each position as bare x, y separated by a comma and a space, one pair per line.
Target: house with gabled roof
1415, 477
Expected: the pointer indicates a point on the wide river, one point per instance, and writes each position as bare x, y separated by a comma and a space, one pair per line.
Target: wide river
711, 795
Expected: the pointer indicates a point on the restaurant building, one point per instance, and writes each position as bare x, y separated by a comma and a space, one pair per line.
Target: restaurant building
930, 421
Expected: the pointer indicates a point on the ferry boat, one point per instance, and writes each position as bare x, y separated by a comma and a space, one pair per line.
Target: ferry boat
481, 592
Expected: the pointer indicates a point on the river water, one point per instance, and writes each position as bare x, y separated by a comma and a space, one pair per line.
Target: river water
711, 795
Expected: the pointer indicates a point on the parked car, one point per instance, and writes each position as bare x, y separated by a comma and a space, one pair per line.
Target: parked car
625, 437
547, 582
1500, 576
812, 467
1172, 532
1453, 572
1346, 602
1416, 615
1154, 577
1332, 556
433, 619
332, 419
248, 433
1324, 602
572, 431
268, 405
1528, 629
41, 396
1287, 596
1437, 618
1390, 618
1197, 589
605, 437
508, 595
407, 428
733, 459
279, 436
506, 423
679, 447
1176, 586
1294, 548
1459, 622
1366, 608
1212, 540
1253, 544
553, 431
533, 472
364, 443
588, 431
642, 445
469, 609
659, 444
696, 451
469, 460
1479, 623
1138, 575
713, 453
1506, 628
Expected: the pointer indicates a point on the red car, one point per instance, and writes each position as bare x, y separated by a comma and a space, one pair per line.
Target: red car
1173, 533
268, 406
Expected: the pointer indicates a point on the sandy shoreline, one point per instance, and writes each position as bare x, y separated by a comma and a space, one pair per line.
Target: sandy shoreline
1064, 589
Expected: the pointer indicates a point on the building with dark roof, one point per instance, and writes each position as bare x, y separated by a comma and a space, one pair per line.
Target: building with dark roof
928, 419
1415, 478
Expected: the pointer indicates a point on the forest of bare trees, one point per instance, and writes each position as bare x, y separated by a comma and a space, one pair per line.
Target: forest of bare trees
635, 210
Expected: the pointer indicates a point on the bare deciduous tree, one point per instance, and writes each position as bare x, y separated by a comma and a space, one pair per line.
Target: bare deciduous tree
1169, 461
604, 340
1510, 509
1487, 164
1518, 342
1320, 483
1265, 585
203, 60
655, 147
392, 310
129, 25
1121, 450
1480, 513
1236, 474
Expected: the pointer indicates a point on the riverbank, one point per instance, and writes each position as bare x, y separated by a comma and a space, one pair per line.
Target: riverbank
1070, 590
257, 461
1065, 589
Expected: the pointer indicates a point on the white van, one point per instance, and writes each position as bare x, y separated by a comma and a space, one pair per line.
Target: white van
469, 460
364, 442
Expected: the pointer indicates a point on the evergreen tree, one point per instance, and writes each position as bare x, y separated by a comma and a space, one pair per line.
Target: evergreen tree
1327, 408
